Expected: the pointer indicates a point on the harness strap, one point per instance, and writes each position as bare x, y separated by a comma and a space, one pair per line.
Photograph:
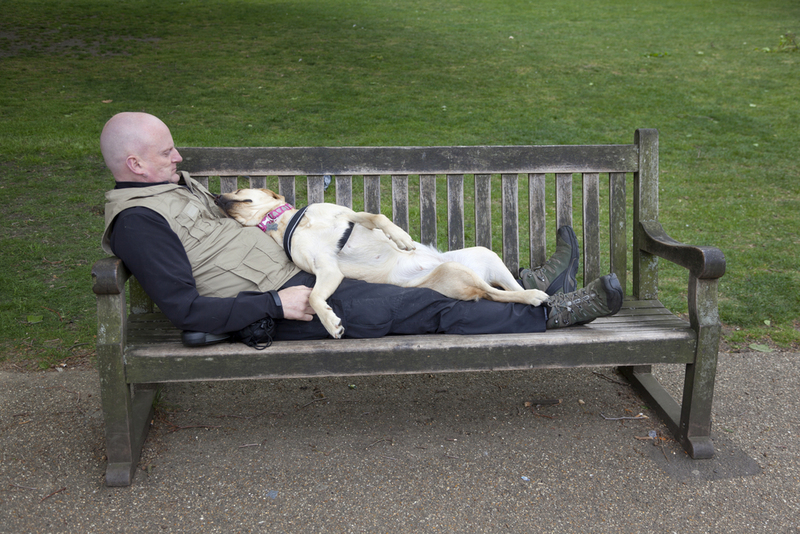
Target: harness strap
290, 228
345, 236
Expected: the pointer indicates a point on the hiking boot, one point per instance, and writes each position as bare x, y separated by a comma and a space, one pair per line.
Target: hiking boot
600, 298
557, 275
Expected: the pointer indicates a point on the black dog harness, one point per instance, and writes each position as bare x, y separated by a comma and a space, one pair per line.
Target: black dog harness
345, 236
290, 228
270, 223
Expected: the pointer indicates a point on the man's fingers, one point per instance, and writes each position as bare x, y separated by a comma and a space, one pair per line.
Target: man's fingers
295, 303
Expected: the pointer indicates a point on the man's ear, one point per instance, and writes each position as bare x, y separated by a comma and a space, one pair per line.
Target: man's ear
132, 162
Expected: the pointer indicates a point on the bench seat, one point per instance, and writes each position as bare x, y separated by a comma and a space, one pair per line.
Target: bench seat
155, 353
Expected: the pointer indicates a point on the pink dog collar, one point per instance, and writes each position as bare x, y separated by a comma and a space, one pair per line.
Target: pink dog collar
273, 216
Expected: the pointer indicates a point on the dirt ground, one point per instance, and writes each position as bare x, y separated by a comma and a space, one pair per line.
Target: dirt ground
483, 452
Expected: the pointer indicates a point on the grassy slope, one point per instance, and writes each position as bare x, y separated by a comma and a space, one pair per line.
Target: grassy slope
423, 72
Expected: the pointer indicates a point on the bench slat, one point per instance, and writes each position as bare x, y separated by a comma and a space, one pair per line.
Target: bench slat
483, 210
228, 184
537, 217
510, 200
591, 227
316, 189
273, 161
455, 211
372, 194
400, 201
618, 227
563, 200
427, 209
286, 188
344, 191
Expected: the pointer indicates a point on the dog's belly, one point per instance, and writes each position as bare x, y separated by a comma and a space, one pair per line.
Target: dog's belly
369, 255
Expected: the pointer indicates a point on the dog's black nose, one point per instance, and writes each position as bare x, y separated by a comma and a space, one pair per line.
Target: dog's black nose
217, 200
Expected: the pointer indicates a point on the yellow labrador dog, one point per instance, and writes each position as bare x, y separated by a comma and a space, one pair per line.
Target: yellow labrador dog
334, 242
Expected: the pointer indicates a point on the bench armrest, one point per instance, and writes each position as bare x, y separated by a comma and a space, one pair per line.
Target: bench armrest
702, 262
109, 276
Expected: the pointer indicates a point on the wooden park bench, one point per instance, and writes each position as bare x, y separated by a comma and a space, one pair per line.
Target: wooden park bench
137, 347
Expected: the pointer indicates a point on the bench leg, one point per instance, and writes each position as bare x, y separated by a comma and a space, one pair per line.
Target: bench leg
698, 394
689, 424
698, 388
127, 420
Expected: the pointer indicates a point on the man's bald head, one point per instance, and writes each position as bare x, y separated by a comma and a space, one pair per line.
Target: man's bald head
138, 147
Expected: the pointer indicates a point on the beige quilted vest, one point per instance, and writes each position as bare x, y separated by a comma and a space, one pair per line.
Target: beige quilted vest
226, 258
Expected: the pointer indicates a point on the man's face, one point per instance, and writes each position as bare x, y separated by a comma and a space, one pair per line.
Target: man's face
160, 159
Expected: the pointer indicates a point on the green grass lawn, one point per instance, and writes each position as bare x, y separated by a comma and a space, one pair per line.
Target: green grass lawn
718, 80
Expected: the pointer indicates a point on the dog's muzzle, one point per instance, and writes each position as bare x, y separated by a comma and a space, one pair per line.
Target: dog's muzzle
225, 204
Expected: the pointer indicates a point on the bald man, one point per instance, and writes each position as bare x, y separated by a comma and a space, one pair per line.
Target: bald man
139, 150
209, 274
138, 147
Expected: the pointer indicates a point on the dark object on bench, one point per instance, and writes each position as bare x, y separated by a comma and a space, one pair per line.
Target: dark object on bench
137, 346
202, 339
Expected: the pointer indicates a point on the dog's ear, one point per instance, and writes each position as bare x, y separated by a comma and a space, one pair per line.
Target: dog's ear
274, 195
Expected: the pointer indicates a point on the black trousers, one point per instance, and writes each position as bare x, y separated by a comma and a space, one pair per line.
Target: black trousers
375, 310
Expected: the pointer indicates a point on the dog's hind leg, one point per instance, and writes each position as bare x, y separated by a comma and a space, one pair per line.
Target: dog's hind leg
486, 264
534, 297
459, 282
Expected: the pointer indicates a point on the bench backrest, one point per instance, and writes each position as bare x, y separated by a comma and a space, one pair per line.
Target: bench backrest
509, 167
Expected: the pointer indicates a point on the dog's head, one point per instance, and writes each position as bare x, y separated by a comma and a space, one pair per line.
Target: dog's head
249, 206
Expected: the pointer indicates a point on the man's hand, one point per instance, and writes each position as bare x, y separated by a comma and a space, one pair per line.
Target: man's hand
294, 301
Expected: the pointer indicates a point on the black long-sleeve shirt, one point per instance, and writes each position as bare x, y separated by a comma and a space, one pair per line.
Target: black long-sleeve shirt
144, 241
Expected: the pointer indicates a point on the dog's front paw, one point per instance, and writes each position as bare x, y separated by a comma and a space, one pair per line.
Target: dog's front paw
403, 241
536, 297
407, 244
334, 326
